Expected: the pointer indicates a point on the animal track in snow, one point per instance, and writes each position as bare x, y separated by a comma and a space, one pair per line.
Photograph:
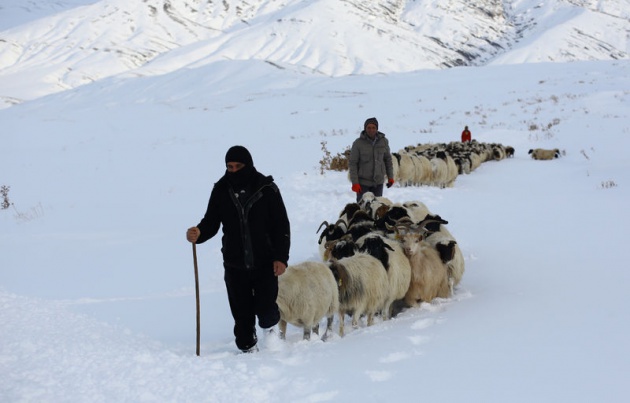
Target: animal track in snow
423, 323
394, 357
379, 376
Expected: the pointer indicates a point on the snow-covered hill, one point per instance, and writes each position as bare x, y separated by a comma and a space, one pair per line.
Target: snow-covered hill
88, 41
115, 120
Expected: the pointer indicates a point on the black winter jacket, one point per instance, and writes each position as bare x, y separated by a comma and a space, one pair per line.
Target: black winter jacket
255, 232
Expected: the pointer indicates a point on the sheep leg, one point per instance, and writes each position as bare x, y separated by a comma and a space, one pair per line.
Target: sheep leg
316, 329
387, 311
329, 322
307, 334
370, 319
411, 301
355, 320
282, 326
341, 320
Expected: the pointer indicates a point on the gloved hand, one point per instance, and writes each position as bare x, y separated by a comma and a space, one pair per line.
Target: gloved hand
356, 188
390, 182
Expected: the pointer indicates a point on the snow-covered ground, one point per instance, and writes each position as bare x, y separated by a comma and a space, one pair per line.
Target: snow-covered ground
96, 278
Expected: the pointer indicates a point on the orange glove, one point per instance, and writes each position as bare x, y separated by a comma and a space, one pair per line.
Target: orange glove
356, 188
390, 182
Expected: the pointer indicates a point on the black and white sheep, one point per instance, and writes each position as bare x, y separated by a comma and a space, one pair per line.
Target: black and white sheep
370, 203
390, 253
450, 254
330, 234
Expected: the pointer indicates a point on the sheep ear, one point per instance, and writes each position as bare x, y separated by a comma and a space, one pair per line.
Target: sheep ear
422, 225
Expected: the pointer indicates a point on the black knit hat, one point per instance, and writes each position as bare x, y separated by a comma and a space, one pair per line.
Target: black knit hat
370, 121
239, 154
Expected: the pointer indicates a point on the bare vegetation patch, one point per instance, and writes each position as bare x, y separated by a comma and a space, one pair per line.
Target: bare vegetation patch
4, 192
330, 162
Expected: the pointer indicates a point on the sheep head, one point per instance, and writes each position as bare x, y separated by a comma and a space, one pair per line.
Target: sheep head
381, 211
411, 235
332, 232
339, 248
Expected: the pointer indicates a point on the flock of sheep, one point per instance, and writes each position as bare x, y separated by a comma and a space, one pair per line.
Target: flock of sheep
380, 257
376, 259
439, 164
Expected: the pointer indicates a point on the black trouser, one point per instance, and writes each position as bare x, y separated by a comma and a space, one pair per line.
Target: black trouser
251, 293
377, 190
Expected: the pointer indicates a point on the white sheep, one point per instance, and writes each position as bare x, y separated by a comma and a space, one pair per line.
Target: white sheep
424, 170
406, 169
417, 210
542, 154
451, 169
363, 287
307, 292
429, 275
440, 172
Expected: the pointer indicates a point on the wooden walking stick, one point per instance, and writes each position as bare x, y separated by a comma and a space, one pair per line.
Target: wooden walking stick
194, 247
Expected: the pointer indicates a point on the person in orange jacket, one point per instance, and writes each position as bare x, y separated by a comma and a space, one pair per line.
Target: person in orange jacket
466, 136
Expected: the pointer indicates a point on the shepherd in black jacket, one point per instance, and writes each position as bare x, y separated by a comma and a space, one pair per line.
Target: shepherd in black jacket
256, 241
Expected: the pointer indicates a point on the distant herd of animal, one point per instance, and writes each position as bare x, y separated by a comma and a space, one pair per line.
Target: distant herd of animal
380, 257
439, 164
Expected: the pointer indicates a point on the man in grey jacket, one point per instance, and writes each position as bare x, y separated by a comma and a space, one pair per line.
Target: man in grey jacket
370, 161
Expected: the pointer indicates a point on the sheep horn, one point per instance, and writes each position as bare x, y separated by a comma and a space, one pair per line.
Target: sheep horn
321, 225
400, 226
342, 221
404, 221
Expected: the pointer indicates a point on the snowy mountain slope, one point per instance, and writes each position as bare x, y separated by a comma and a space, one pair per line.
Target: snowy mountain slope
330, 37
14, 13
588, 30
